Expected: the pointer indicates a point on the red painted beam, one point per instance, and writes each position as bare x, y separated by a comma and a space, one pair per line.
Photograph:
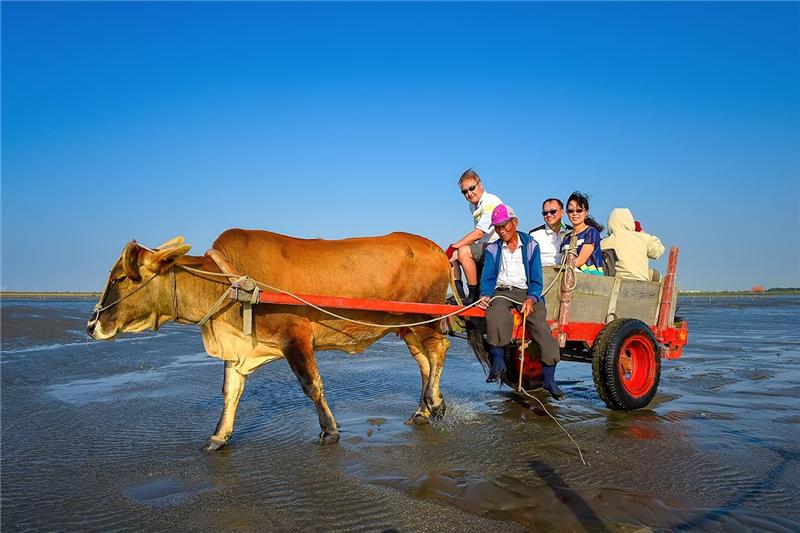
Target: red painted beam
366, 304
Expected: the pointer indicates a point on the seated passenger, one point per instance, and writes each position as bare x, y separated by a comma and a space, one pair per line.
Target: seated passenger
551, 234
467, 252
632, 247
512, 268
586, 230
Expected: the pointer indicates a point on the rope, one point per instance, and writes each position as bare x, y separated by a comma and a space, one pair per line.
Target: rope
523, 391
218, 303
98, 309
560, 270
214, 308
522, 348
204, 272
325, 311
372, 324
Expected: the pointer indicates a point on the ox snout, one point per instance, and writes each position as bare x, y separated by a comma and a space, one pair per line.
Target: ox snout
90, 326
95, 330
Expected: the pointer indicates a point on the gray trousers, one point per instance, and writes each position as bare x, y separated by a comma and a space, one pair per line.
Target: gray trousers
500, 324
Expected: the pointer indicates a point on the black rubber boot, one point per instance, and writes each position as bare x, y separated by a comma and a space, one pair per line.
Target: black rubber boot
549, 382
474, 294
498, 364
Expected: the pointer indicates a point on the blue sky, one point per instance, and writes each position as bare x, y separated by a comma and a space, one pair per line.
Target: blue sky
150, 120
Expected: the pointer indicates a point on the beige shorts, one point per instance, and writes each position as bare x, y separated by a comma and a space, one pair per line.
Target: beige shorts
477, 249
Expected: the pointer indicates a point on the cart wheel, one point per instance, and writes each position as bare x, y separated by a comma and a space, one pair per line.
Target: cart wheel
626, 366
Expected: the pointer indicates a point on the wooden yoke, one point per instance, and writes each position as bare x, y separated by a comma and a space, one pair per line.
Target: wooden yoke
236, 279
567, 285
222, 263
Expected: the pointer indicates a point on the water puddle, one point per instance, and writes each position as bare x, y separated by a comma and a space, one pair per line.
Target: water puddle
373, 430
125, 386
164, 492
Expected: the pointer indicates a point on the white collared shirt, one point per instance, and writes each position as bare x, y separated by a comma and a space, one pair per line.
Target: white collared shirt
512, 271
482, 214
549, 243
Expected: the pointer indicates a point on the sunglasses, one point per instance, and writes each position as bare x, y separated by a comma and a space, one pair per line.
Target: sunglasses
572, 211
468, 189
549, 212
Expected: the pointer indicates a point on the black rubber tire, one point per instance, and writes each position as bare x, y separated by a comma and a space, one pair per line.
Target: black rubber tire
629, 334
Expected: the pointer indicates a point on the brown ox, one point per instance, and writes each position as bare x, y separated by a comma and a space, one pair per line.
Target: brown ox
147, 288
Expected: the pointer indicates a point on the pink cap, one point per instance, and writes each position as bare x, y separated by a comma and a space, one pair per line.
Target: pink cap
502, 214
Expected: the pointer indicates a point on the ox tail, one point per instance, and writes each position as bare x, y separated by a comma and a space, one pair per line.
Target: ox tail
478, 344
474, 335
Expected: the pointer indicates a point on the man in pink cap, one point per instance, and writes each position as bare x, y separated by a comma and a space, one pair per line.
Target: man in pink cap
512, 270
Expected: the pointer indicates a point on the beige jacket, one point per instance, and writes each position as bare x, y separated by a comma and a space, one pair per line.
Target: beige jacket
632, 247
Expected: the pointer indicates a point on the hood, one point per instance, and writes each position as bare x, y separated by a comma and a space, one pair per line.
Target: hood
620, 219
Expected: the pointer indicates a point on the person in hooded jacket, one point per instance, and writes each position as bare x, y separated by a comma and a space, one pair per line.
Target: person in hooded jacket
632, 248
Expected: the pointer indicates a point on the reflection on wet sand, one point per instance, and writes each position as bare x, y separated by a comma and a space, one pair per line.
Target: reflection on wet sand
540, 507
105, 436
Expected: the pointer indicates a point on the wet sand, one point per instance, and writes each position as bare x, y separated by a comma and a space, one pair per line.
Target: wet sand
100, 436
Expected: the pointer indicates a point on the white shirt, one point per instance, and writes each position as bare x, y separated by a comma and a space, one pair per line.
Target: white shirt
512, 270
482, 214
549, 243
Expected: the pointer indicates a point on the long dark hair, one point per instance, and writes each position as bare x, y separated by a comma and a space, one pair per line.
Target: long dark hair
582, 201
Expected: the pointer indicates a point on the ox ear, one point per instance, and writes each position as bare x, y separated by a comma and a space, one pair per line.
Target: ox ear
130, 261
161, 260
172, 243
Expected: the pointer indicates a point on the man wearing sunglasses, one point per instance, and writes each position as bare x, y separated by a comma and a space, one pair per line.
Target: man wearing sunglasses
467, 252
512, 273
551, 234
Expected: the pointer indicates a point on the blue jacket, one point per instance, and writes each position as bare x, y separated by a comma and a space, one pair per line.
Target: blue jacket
531, 258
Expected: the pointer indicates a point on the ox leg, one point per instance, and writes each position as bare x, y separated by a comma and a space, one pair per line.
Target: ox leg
300, 356
232, 389
436, 346
418, 352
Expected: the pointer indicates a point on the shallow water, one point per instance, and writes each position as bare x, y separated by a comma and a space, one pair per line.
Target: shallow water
102, 436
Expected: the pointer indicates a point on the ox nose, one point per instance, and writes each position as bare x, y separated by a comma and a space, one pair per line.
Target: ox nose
90, 327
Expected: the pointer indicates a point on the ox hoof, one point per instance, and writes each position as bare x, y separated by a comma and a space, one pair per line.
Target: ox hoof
438, 411
213, 445
417, 419
328, 438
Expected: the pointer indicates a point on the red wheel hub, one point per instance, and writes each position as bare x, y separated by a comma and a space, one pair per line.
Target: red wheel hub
636, 365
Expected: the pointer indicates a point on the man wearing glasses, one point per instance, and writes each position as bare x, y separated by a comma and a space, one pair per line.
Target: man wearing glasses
467, 252
551, 234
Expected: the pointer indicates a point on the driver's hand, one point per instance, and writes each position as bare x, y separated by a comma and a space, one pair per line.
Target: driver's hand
528, 307
483, 303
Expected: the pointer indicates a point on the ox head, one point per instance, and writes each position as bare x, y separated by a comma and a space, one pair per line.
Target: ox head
137, 294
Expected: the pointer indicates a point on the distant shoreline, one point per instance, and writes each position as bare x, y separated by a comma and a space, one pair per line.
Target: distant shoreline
55, 295
781, 292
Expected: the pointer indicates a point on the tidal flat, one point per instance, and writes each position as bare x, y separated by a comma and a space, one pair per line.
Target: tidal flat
101, 436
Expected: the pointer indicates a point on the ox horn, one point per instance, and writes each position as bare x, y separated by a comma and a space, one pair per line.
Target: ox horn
172, 243
130, 261
161, 260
